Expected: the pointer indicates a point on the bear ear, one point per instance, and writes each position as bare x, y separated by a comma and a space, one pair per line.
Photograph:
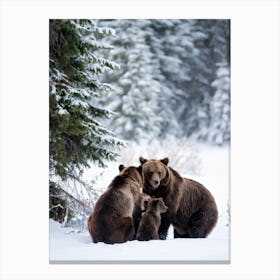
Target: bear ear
139, 169
121, 167
142, 160
165, 160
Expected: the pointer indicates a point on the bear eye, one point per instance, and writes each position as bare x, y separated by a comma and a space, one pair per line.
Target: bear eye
159, 173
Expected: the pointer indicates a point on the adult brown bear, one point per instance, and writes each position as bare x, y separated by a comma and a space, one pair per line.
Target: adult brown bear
111, 221
191, 207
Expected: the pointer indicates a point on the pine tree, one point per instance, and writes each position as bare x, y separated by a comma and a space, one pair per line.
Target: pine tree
163, 63
204, 44
195, 115
76, 133
215, 52
135, 101
219, 132
175, 46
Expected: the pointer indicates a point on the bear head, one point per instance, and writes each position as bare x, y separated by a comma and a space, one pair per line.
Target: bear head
133, 172
155, 173
157, 205
144, 200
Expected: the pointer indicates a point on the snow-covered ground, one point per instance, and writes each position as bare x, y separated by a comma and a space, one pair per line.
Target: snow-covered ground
68, 244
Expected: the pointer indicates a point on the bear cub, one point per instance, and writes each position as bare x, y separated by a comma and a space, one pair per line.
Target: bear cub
140, 207
150, 222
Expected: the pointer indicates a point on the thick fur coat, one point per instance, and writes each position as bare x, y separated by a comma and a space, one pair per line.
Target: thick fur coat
112, 218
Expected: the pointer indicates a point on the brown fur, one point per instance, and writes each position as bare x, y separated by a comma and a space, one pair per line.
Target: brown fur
192, 208
111, 221
150, 222
140, 207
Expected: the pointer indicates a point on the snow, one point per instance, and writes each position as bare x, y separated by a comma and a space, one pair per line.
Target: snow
70, 245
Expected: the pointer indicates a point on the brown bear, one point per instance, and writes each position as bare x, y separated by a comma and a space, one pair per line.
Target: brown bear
139, 208
150, 222
191, 207
111, 221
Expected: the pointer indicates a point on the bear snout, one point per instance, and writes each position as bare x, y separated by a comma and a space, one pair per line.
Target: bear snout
155, 183
155, 180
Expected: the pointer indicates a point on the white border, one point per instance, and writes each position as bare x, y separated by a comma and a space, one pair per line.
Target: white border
254, 147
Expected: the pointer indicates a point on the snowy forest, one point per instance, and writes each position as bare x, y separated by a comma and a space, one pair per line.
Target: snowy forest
124, 88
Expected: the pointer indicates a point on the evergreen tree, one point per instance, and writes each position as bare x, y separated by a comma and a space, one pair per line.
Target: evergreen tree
136, 88
205, 44
164, 65
76, 134
190, 99
219, 132
215, 52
